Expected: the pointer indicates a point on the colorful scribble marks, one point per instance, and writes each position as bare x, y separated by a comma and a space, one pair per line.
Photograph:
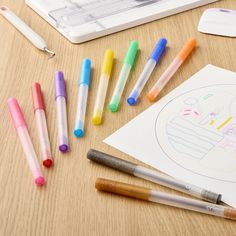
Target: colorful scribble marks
197, 135
225, 123
210, 118
208, 96
212, 122
230, 130
191, 101
190, 112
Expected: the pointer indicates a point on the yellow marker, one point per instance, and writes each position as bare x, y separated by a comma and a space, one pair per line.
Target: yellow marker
102, 88
225, 122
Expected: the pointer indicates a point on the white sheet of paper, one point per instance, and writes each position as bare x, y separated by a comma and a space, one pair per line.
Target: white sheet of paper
189, 134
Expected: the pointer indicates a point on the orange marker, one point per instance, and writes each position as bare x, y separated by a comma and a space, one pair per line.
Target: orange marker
173, 67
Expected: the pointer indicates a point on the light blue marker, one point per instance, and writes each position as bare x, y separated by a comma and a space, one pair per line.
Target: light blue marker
149, 67
82, 97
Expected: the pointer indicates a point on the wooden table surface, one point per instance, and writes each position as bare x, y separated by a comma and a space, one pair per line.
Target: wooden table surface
69, 204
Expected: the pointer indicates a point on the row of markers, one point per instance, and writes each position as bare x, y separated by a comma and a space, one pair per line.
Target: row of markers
60, 96
124, 74
40, 117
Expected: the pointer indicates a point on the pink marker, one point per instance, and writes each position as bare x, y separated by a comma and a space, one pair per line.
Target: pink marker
27, 145
39, 111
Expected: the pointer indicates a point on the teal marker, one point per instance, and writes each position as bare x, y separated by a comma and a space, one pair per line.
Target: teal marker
124, 74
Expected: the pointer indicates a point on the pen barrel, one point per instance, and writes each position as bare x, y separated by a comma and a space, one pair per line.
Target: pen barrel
62, 124
34, 38
43, 135
81, 109
29, 152
164, 79
100, 99
178, 185
187, 203
142, 80
120, 85
170, 71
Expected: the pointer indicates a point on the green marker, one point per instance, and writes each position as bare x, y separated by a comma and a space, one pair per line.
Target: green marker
124, 74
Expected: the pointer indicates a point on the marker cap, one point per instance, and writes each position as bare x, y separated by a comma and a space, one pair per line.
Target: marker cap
79, 130
38, 101
64, 148
131, 53
123, 189
108, 62
111, 161
16, 113
113, 107
159, 49
85, 72
187, 49
60, 86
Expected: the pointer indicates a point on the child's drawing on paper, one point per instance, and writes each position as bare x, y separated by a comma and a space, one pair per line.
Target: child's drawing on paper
197, 130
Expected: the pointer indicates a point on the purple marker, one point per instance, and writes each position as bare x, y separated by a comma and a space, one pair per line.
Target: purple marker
60, 97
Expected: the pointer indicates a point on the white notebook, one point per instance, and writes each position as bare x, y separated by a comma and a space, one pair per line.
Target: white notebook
83, 20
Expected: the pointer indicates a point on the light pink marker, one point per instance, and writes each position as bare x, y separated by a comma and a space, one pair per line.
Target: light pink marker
26, 143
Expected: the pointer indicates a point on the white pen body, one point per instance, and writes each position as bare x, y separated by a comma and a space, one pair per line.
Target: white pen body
43, 134
62, 123
81, 109
120, 85
186, 203
176, 184
143, 78
33, 37
100, 99
165, 77
29, 151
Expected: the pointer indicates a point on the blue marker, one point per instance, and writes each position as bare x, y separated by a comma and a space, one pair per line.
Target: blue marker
149, 67
82, 97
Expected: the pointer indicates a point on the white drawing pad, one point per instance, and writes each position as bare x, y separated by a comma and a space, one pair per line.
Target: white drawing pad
189, 134
83, 20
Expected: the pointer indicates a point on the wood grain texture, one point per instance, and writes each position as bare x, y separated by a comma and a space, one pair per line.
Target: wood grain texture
69, 204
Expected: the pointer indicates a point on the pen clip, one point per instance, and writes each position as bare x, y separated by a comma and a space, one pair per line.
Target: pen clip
51, 53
